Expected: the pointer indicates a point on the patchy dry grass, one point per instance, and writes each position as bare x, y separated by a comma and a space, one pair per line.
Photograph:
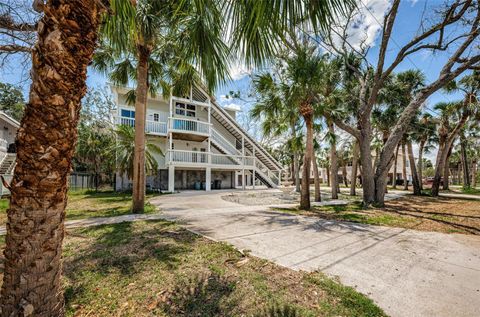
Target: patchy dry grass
425, 213
86, 204
156, 268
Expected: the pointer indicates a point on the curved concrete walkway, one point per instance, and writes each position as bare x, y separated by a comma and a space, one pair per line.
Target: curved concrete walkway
406, 272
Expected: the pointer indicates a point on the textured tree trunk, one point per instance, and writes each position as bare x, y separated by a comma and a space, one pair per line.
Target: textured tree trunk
413, 170
307, 113
446, 171
316, 175
404, 167
45, 144
474, 174
353, 179
394, 178
296, 162
333, 162
328, 175
466, 168
141, 95
368, 180
420, 163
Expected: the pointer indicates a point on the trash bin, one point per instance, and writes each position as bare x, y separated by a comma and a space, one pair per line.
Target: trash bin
217, 184
203, 186
197, 185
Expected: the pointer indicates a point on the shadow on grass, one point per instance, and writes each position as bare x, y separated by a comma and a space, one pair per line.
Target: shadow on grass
201, 295
123, 249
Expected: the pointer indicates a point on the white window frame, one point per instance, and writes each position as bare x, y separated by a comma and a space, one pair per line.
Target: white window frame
185, 110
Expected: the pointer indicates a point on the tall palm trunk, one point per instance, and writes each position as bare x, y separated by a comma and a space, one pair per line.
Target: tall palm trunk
353, 179
307, 113
420, 163
394, 178
404, 167
344, 175
333, 161
413, 170
46, 140
316, 175
474, 174
296, 161
446, 170
141, 94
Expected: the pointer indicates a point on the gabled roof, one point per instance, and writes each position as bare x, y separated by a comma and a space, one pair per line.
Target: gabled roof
10, 120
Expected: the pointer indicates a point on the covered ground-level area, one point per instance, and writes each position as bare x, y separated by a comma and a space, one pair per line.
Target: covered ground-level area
177, 178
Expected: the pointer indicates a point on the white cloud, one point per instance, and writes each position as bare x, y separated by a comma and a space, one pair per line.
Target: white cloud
238, 71
365, 25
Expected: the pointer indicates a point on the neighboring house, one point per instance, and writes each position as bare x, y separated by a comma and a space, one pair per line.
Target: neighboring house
8, 132
203, 145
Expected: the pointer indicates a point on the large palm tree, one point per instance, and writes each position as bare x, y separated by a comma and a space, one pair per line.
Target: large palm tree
156, 43
67, 36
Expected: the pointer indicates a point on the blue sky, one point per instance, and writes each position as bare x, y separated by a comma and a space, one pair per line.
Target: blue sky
410, 14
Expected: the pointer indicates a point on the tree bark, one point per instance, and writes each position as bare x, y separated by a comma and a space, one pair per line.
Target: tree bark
394, 176
316, 175
307, 158
404, 167
420, 163
466, 168
353, 179
45, 144
446, 171
413, 170
443, 153
333, 162
474, 174
344, 175
141, 95
296, 161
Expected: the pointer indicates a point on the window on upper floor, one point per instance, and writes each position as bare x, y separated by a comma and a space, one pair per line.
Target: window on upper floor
185, 109
127, 113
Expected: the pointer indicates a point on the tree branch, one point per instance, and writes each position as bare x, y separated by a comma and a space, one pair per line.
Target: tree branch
13, 48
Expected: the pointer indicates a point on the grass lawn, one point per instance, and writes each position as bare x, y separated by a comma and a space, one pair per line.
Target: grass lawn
86, 204
156, 268
425, 213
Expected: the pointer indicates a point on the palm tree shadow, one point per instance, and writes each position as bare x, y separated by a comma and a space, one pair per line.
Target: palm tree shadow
201, 295
120, 249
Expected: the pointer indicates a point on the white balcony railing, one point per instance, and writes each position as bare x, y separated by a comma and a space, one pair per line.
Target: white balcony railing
193, 157
151, 127
224, 143
189, 125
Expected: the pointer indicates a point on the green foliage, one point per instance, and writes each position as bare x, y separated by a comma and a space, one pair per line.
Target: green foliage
11, 101
95, 134
125, 148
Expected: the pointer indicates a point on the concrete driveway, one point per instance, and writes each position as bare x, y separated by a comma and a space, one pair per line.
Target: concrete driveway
406, 272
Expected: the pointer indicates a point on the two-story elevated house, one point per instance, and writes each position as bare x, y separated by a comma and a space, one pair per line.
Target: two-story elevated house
204, 147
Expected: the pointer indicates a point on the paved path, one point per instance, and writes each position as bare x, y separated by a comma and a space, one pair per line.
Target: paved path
406, 272
460, 196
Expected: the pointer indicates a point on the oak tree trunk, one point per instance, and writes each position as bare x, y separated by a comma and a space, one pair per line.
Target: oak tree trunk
141, 95
413, 170
353, 179
446, 171
45, 144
